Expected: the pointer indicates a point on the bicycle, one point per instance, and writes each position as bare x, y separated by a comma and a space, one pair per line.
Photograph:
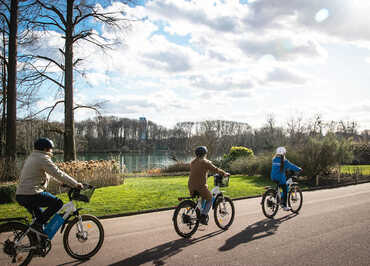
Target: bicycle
187, 213
271, 199
83, 233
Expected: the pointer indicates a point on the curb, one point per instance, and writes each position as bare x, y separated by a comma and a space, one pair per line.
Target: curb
234, 199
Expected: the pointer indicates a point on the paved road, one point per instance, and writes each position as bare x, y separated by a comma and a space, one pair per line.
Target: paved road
333, 228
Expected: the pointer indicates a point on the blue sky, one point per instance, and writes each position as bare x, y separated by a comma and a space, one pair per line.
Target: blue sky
232, 60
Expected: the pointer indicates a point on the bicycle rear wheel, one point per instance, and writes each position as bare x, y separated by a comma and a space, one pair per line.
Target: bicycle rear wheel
269, 204
185, 219
83, 240
224, 212
295, 198
15, 255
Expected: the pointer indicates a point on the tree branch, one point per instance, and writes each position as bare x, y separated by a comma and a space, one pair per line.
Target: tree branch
92, 107
55, 10
46, 108
50, 60
78, 16
5, 18
5, 4
77, 61
53, 107
49, 23
47, 77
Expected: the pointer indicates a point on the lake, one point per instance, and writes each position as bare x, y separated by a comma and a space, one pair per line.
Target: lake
132, 162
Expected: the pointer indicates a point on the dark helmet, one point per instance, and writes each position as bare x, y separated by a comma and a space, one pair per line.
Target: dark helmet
200, 151
43, 143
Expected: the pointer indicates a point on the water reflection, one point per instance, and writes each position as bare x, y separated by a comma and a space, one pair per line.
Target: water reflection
132, 162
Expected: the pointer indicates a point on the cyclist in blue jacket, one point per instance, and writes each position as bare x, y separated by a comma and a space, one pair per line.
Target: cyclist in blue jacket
279, 167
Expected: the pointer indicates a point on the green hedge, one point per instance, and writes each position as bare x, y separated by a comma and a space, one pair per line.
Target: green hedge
7, 193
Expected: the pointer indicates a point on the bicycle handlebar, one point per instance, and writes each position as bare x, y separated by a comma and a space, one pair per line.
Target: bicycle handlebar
73, 189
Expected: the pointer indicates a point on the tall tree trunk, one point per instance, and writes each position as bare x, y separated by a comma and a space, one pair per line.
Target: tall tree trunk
10, 148
69, 133
4, 86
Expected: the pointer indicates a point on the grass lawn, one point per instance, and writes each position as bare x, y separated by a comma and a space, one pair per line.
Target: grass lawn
351, 169
145, 193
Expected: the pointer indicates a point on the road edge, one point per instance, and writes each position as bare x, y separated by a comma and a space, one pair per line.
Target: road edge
234, 199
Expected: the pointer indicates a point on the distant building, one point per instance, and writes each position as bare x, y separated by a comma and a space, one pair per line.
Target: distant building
143, 128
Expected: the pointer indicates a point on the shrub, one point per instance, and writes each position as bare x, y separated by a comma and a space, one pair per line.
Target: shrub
244, 165
235, 153
260, 165
361, 153
7, 193
177, 167
264, 165
318, 155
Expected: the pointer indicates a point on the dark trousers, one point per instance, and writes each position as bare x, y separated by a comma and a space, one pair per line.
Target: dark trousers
34, 203
285, 192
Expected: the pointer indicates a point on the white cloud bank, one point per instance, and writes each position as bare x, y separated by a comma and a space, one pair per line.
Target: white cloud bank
182, 58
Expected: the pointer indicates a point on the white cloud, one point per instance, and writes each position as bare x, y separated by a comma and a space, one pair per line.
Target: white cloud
181, 55
285, 75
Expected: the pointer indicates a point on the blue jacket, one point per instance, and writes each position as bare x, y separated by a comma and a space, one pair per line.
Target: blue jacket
276, 175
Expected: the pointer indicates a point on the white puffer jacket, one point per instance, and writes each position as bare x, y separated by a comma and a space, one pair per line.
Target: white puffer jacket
36, 172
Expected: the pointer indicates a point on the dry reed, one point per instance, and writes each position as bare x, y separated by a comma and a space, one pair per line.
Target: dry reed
97, 173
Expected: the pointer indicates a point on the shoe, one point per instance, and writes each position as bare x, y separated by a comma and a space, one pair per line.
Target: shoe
203, 219
286, 208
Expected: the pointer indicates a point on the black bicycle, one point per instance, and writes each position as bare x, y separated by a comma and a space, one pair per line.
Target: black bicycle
187, 214
83, 235
271, 199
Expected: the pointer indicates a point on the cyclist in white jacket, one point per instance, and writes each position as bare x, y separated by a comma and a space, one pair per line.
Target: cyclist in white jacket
34, 179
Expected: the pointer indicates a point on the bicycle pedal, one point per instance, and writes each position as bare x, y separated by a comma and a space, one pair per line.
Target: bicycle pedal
44, 248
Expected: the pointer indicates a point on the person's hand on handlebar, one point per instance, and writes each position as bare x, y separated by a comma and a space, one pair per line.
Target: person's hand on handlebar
79, 186
227, 174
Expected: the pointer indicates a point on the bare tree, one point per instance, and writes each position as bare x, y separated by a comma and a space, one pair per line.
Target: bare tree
4, 65
71, 18
11, 95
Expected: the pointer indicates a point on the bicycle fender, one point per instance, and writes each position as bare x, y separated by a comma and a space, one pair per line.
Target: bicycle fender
24, 219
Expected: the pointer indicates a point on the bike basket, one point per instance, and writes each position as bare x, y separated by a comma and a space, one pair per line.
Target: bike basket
84, 194
221, 181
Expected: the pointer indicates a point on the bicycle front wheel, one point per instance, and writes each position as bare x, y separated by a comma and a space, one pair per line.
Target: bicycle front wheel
83, 238
11, 253
269, 203
224, 212
295, 198
185, 219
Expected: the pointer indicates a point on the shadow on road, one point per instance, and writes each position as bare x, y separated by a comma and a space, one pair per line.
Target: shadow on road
74, 263
260, 229
160, 253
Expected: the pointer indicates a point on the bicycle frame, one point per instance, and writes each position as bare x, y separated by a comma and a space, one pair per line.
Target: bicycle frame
289, 182
39, 243
216, 192
69, 210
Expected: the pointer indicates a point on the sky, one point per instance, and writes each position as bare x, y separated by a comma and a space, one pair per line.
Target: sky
195, 60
